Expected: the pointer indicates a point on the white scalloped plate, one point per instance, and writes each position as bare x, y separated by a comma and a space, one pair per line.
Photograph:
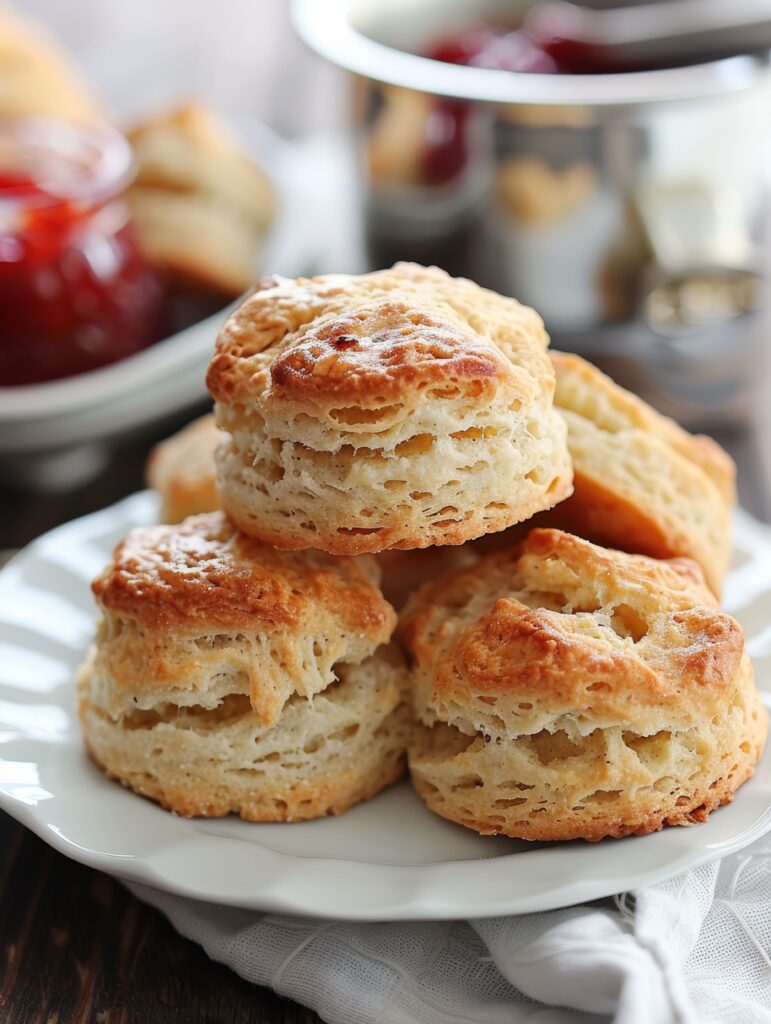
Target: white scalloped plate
388, 859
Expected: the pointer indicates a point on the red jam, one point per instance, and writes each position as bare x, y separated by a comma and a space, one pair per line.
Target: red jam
504, 49
445, 152
498, 49
75, 293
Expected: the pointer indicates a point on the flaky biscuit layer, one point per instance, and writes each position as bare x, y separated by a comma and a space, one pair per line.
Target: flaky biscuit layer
642, 483
320, 756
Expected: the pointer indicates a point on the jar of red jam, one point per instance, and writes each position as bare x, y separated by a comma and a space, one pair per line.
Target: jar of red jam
75, 292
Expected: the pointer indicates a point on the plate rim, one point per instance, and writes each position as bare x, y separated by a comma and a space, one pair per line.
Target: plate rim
417, 907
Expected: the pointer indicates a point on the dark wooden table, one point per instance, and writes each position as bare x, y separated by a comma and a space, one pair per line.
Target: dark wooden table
76, 947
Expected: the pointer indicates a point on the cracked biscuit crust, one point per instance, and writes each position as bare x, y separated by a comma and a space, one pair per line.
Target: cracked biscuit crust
227, 676
188, 609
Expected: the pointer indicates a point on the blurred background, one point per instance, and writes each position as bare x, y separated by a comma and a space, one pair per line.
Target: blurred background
242, 57
606, 164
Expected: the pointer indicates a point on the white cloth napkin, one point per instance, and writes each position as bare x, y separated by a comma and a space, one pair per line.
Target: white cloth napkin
693, 950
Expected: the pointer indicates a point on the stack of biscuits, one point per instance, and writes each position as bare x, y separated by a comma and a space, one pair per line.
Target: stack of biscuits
560, 667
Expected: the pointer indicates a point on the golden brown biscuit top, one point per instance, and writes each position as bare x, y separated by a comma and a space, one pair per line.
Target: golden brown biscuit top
558, 626
202, 575
376, 335
377, 351
583, 389
191, 119
37, 76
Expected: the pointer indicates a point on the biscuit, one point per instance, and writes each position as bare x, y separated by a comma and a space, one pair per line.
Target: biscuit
535, 193
404, 572
228, 676
642, 483
37, 77
201, 207
570, 691
399, 409
395, 146
181, 470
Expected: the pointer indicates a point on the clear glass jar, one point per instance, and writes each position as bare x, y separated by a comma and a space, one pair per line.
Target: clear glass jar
75, 291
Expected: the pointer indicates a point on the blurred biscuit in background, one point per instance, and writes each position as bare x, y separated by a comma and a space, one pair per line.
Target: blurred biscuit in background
181, 469
535, 193
201, 205
37, 77
399, 135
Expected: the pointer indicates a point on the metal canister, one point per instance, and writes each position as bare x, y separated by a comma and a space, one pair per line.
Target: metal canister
629, 209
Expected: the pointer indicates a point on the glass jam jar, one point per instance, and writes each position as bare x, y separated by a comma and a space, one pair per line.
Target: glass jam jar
75, 292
